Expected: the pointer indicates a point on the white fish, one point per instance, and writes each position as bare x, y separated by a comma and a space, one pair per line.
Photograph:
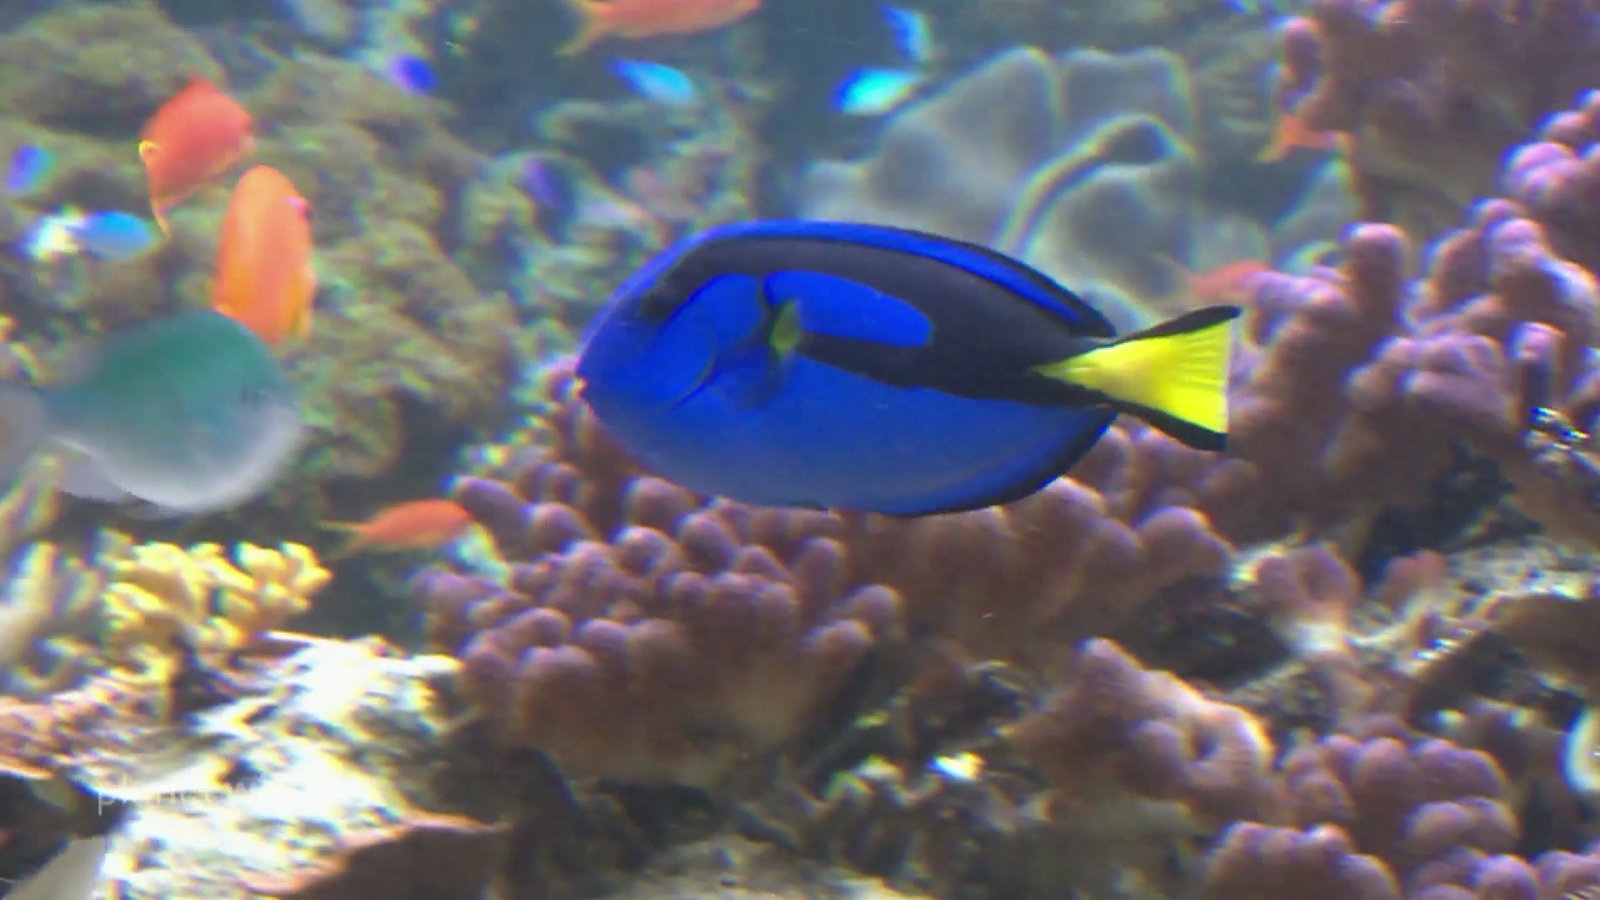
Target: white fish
72, 875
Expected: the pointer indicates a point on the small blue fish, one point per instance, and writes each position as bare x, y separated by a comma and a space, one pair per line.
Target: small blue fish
655, 81
30, 167
187, 414
114, 236
413, 74
911, 33
874, 92
836, 365
553, 188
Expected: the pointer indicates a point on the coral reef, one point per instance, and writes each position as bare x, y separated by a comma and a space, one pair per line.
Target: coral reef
408, 348
1433, 94
613, 573
1082, 165
334, 740
163, 602
449, 857
1167, 673
1393, 736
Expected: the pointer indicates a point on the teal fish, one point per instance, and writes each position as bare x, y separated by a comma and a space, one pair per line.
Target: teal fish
185, 415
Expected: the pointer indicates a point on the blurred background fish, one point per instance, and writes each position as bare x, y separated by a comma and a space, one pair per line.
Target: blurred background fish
264, 277
411, 525
875, 92
194, 137
659, 82
912, 33
30, 167
837, 365
187, 414
413, 74
603, 19
113, 235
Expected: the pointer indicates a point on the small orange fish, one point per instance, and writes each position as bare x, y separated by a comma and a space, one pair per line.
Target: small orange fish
195, 136
413, 525
1291, 133
264, 277
601, 19
1227, 283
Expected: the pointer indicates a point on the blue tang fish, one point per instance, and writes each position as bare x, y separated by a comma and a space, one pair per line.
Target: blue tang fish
836, 365
187, 414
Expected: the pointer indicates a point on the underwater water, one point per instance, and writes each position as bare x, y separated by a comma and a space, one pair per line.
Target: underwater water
1004, 450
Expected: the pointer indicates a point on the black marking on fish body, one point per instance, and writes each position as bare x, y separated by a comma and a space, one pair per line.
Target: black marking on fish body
986, 339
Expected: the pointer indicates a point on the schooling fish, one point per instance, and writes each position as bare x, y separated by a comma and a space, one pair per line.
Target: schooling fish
264, 277
198, 134
602, 19
187, 414
826, 364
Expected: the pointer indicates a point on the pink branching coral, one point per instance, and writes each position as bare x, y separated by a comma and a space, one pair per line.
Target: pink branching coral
1428, 809
1117, 729
747, 620
1261, 862
1433, 92
1498, 330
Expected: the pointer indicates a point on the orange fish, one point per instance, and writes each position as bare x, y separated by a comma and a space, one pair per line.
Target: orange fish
264, 277
1227, 283
601, 19
1291, 133
413, 525
196, 135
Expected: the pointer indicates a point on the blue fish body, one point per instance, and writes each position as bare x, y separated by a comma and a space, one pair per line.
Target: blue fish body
413, 74
911, 33
876, 92
30, 167
836, 365
114, 236
656, 81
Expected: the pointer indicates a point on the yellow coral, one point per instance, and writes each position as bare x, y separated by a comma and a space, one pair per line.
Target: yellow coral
163, 598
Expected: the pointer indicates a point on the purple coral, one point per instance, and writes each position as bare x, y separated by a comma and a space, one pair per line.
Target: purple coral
1117, 728
1433, 92
1430, 810
648, 633
1261, 862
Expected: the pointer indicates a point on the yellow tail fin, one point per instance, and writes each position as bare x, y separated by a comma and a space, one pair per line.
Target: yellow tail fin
1174, 376
591, 26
